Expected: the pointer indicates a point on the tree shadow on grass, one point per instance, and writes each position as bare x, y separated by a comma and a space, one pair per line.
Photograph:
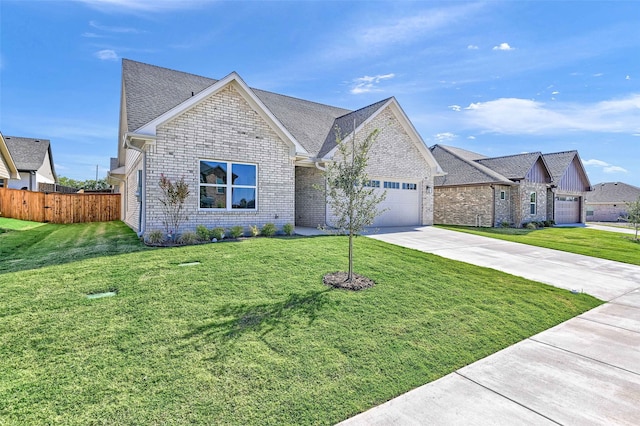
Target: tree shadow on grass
260, 319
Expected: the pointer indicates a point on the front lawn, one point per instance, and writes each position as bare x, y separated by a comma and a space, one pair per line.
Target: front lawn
590, 242
245, 332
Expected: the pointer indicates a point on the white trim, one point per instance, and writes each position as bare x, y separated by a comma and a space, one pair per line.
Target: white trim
246, 92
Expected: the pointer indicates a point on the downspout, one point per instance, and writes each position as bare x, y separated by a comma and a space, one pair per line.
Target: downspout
143, 192
493, 205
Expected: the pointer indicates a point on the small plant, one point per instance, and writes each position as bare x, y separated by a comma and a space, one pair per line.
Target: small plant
268, 230
172, 203
155, 237
531, 225
504, 224
255, 231
202, 233
288, 229
236, 232
217, 233
187, 238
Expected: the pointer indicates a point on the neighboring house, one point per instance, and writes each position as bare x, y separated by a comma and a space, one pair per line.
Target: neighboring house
515, 189
8, 169
33, 160
251, 157
608, 201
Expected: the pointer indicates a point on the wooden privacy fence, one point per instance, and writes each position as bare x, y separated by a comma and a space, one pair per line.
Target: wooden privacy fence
59, 208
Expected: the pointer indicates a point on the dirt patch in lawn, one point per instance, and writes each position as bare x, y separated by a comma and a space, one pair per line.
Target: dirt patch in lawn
339, 280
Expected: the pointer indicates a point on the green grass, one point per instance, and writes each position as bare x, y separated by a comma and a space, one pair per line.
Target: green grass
590, 242
8, 224
248, 336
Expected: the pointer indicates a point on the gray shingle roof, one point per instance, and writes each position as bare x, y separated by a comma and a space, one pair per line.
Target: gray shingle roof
461, 169
558, 163
151, 91
28, 153
613, 192
514, 167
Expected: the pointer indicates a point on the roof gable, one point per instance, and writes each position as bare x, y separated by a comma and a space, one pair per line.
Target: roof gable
28, 153
460, 169
6, 157
562, 163
513, 167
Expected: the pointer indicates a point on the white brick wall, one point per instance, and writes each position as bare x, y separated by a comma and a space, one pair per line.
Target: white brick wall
222, 127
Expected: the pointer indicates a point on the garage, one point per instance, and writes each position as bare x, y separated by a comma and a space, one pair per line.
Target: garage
403, 203
567, 210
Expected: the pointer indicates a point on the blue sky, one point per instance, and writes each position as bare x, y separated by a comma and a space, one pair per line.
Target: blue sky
495, 77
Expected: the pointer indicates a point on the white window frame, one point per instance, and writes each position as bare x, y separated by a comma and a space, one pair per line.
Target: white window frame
533, 203
391, 185
229, 186
503, 195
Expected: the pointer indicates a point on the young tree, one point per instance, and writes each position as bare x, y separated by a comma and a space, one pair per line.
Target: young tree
172, 201
352, 200
633, 215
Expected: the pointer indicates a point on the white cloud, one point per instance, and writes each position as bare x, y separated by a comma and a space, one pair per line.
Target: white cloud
368, 84
119, 30
444, 137
456, 108
503, 46
137, 6
471, 137
598, 74
628, 77
555, 92
106, 55
92, 35
606, 167
525, 116
472, 47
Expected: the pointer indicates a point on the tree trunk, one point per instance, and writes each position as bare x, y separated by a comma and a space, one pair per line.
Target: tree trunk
350, 273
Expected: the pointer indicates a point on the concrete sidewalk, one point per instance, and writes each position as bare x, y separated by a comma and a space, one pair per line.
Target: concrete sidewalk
583, 371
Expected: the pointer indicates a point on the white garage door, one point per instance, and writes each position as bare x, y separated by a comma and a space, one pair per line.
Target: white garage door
402, 203
567, 210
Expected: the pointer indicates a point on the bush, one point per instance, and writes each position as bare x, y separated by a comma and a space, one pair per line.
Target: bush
530, 225
504, 224
236, 232
268, 230
202, 233
217, 233
155, 237
288, 229
255, 231
187, 238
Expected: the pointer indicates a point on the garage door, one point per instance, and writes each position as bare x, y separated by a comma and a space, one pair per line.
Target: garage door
402, 203
567, 210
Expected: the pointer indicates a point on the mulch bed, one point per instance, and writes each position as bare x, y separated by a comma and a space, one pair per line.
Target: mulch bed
339, 280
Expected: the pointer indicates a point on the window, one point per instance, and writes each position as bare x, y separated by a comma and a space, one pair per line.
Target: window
532, 205
503, 195
392, 185
228, 186
373, 184
1, 183
410, 186
589, 212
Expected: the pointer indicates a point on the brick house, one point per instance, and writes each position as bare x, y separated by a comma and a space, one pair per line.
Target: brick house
608, 201
251, 157
516, 189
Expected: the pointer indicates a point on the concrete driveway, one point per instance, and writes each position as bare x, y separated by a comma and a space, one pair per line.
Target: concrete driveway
583, 371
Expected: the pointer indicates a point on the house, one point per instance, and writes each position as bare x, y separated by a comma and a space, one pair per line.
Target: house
33, 160
514, 189
252, 157
8, 169
607, 201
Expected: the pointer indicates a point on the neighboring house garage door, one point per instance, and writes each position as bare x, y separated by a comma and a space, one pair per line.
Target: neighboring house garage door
567, 210
402, 203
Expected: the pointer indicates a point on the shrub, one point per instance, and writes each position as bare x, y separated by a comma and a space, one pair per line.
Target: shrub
255, 231
504, 224
288, 229
236, 231
155, 237
268, 230
531, 225
187, 238
217, 233
202, 233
